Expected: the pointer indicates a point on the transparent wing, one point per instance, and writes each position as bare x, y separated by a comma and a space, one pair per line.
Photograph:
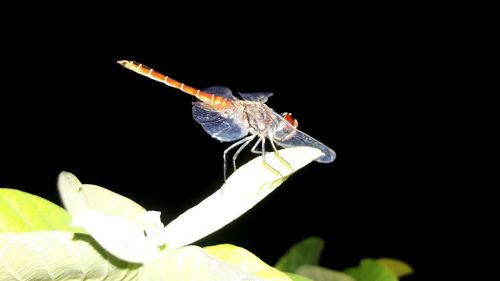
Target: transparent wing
286, 135
219, 124
260, 97
220, 91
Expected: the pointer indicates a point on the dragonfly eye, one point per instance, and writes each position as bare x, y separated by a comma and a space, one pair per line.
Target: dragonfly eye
288, 117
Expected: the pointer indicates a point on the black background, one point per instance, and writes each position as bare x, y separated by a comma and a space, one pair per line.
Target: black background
356, 81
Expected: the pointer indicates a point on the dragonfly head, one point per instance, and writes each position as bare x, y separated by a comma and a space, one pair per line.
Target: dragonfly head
288, 118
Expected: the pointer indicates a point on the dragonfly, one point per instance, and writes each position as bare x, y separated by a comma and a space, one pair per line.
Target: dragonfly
230, 119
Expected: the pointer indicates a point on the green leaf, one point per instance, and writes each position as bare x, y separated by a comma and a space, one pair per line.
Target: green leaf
58, 255
21, 211
307, 251
192, 263
398, 267
371, 270
245, 260
246, 187
296, 277
318, 273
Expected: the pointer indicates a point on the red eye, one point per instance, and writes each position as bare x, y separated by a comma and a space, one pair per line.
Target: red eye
288, 117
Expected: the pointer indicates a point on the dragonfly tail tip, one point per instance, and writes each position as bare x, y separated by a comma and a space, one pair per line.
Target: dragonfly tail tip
123, 63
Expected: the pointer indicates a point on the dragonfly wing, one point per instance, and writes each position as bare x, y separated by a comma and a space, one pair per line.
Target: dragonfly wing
259, 97
220, 91
219, 124
286, 135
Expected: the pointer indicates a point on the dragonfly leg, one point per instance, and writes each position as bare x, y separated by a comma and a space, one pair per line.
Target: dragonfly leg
283, 161
254, 147
263, 151
247, 139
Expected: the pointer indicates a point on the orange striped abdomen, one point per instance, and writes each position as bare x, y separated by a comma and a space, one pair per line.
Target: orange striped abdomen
211, 99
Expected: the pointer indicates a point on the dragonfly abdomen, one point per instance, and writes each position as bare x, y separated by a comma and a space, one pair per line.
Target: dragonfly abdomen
149, 72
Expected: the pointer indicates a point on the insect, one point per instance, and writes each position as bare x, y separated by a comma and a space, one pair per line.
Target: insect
228, 118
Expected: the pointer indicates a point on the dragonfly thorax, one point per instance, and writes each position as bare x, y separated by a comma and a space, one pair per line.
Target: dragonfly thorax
257, 116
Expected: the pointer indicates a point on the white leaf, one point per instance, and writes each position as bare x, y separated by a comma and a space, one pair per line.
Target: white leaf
118, 224
118, 236
242, 190
79, 197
